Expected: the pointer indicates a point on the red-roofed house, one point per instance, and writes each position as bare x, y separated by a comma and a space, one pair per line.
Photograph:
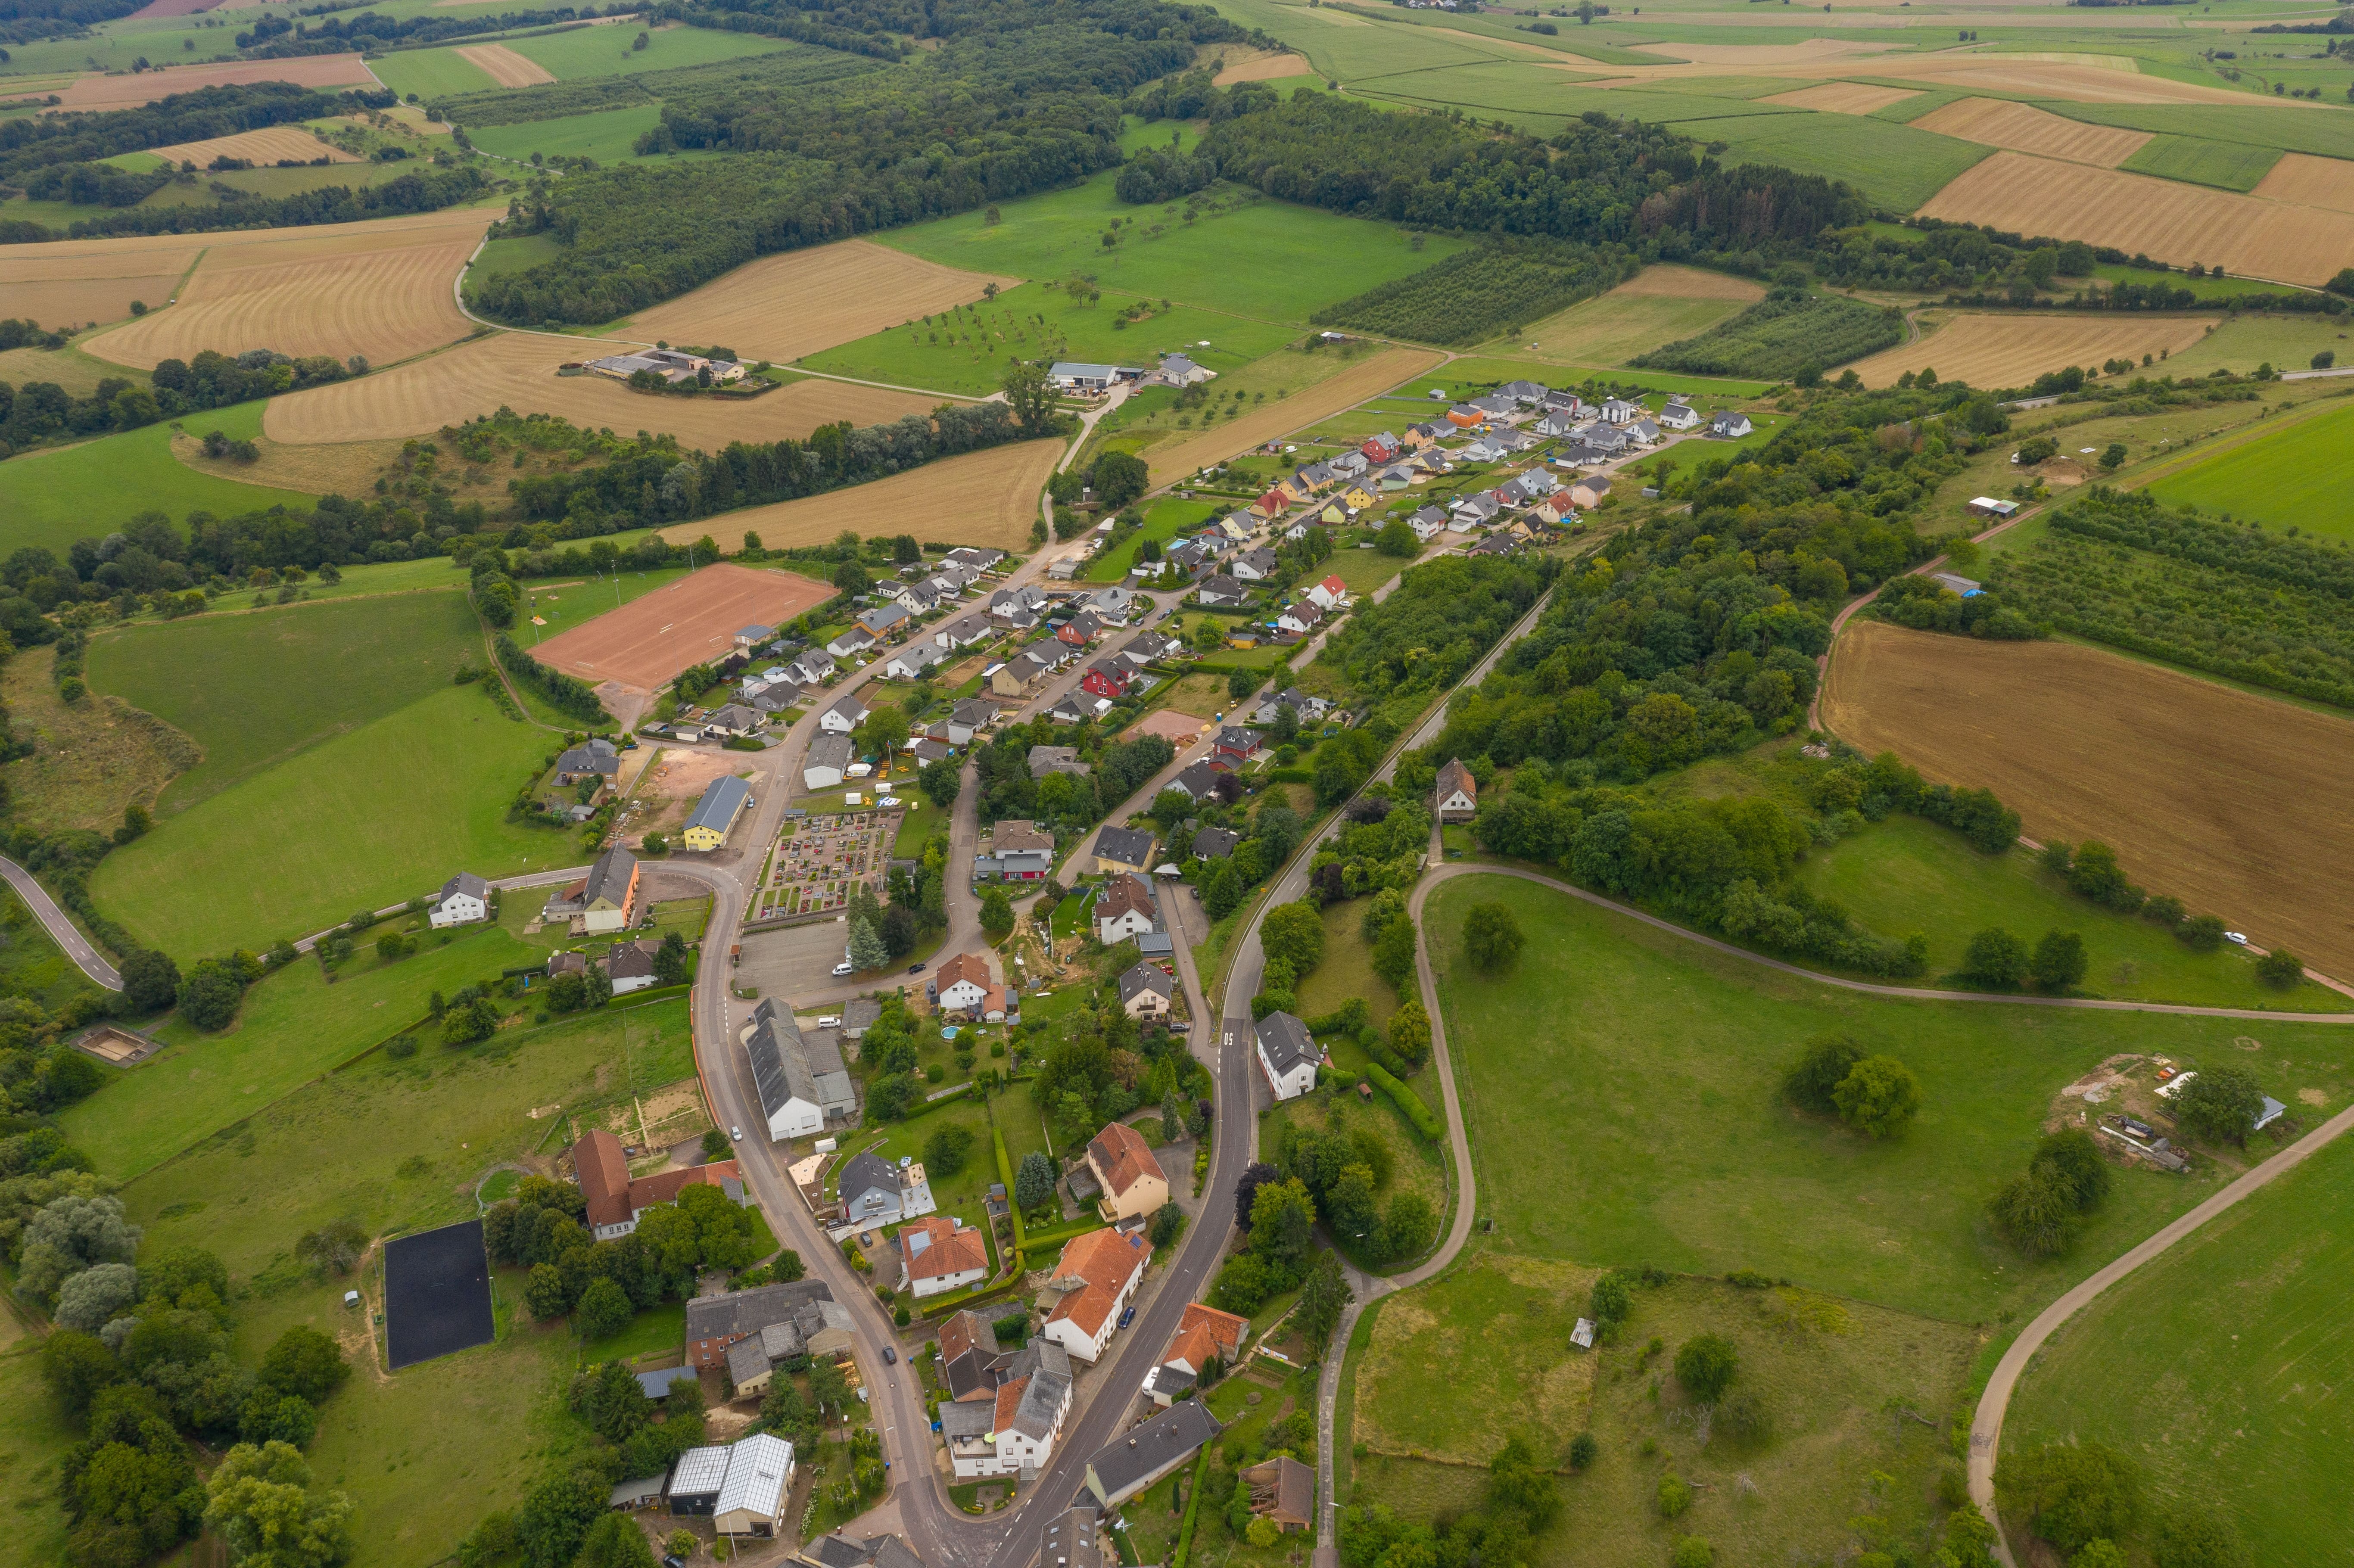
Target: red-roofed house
1274, 503
615, 1202
943, 1254
1098, 1273
963, 983
1203, 1333
1124, 1166
1329, 592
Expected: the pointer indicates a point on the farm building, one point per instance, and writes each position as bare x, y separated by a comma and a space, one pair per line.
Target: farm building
1090, 380
714, 1323
741, 1488
673, 367
801, 1081
1988, 506
723, 801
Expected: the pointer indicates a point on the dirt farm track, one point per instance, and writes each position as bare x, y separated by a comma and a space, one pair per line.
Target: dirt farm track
654, 636
2223, 799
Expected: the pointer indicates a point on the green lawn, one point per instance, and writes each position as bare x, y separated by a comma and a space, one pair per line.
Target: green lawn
397, 1146
1610, 330
580, 52
1364, 571
1165, 521
1347, 969
2233, 165
523, 252
255, 690
560, 604
1268, 259
2292, 477
34, 1436
1904, 875
54, 497
294, 1026
2220, 1367
360, 820
1677, 1149
663, 1328
964, 351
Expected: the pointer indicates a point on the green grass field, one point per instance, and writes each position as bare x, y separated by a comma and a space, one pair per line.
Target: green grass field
31, 964
51, 498
1898, 166
256, 690
1165, 521
2220, 1367
294, 1026
1488, 372
429, 74
2202, 288
606, 136
1298, 260
2233, 165
34, 1436
1611, 331
1904, 875
276, 182
580, 52
2275, 128
2292, 477
398, 1146
967, 352
382, 812
1677, 1150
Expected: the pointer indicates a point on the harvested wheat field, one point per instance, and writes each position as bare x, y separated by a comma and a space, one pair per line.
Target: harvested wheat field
1310, 405
2216, 797
782, 307
2176, 223
1260, 68
125, 90
345, 468
504, 66
1989, 351
385, 295
650, 639
517, 370
2309, 181
979, 498
1845, 97
69, 284
2025, 129
263, 148
1668, 282
2072, 78
1813, 49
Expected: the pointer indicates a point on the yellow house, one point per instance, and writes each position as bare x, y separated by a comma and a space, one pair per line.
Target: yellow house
1358, 496
715, 813
1124, 1167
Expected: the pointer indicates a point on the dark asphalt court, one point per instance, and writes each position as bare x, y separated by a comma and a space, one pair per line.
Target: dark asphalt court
437, 1294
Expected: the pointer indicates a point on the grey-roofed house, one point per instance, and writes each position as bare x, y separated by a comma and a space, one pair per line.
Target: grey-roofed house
463, 899
1214, 843
1146, 991
828, 762
1045, 759
1254, 565
1221, 590
1017, 852
592, 759
1077, 1538
969, 719
873, 1191
1133, 1461
843, 714
714, 1323
1198, 779
1286, 1055
1118, 848
858, 1015
801, 1082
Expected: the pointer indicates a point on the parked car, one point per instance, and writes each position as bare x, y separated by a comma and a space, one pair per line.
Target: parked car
914, 969
842, 969
735, 1135
2239, 937
890, 1356
1128, 1317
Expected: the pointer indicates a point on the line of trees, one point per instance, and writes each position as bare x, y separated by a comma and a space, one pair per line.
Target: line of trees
35, 412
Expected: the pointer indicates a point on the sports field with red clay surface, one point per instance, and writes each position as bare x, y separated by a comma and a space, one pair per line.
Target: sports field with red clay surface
694, 620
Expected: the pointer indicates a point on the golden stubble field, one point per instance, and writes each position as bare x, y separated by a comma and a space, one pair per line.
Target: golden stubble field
978, 498
268, 146
2173, 222
1318, 401
125, 89
2226, 800
1844, 97
504, 66
781, 307
2011, 351
379, 290
2023, 128
2309, 181
518, 370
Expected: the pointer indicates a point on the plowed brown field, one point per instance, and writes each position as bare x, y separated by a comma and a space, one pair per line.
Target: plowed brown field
2216, 797
1311, 404
1845, 97
2025, 129
2011, 351
654, 636
263, 147
299, 295
782, 307
505, 67
979, 498
126, 91
2167, 219
2309, 181
517, 370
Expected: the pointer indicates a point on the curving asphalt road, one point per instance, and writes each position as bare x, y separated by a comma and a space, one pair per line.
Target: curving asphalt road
61, 930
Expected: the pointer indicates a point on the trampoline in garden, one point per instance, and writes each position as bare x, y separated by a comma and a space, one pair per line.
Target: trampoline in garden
437, 1294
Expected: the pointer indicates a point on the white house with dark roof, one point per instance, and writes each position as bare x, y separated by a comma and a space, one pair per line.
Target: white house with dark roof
1679, 416
1729, 426
872, 1190
463, 899
1286, 1055
828, 762
801, 1082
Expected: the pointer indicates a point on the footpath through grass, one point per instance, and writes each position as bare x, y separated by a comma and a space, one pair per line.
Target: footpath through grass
256, 690
1669, 1141
384, 813
2222, 1368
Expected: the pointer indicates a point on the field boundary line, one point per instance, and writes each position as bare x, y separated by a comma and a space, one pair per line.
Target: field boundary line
1986, 1424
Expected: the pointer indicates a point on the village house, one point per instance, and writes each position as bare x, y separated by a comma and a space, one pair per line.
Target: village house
592, 759
1254, 565
969, 719
1457, 799
942, 1254
1098, 1274
741, 1487
963, 631
1204, 1335
716, 1322
1214, 843
1236, 746
1124, 1166
615, 1202
814, 667
1197, 779
1588, 491
1678, 415
1118, 848
1220, 592
1123, 909
914, 662
874, 1191
1299, 619
1146, 991
1729, 426
828, 762
1287, 1057
1015, 850
855, 639
463, 899
802, 1081
962, 984
1282, 1493
846, 713
1013, 1429
606, 899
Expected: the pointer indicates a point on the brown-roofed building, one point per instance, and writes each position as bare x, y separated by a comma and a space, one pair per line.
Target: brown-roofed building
1282, 1490
1131, 1179
1458, 796
1124, 910
615, 1202
1203, 1335
963, 983
1098, 1274
943, 1254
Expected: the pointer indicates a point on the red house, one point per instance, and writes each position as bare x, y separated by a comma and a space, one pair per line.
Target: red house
1079, 630
1108, 678
1378, 451
1234, 745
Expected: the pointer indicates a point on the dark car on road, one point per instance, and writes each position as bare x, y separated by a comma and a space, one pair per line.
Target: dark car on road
890, 1357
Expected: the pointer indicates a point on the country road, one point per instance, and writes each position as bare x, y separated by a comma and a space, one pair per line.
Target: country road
61, 930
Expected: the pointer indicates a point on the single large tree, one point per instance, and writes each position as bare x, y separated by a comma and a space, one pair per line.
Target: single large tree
259, 1501
1879, 1097
1031, 393
2219, 1104
1491, 936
